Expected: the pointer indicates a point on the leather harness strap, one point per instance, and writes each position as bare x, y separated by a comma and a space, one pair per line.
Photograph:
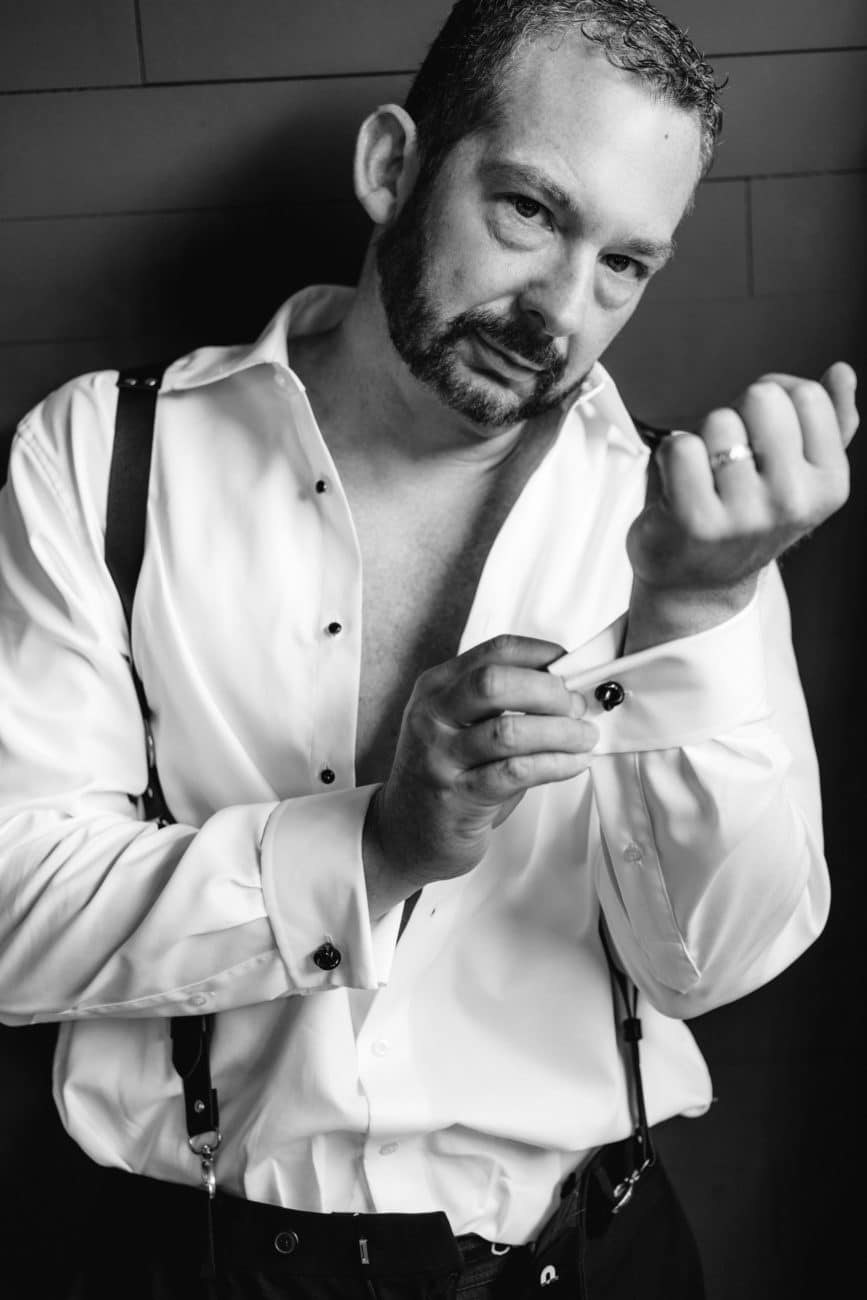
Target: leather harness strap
125, 527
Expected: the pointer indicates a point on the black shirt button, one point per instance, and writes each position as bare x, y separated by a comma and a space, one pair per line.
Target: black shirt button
609, 695
326, 776
334, 629
321, 485
327, 957
285, 1242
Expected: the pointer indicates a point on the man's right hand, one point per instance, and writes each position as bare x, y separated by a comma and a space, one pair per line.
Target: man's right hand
478, 732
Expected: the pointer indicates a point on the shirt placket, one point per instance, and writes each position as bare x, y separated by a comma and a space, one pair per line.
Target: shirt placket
336, 632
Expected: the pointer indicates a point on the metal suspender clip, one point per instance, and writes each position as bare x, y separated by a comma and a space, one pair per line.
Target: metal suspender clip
630, 1029
207, 1153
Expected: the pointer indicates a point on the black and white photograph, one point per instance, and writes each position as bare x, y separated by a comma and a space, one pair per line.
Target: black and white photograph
432, 539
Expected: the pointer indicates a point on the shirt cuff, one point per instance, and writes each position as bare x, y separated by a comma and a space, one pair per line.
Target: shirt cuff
316, 894
669, 695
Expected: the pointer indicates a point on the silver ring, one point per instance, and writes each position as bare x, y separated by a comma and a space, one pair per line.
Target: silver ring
740, 451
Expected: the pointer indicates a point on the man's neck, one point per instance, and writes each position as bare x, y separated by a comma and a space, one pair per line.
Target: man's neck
370, 407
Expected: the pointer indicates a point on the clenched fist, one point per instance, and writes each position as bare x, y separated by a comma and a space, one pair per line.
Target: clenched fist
728, 499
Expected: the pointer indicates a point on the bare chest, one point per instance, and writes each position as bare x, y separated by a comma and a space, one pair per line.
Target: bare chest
420, 578
424, 543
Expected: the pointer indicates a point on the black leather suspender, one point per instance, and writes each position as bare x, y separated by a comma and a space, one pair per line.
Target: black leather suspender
129, 477
125, 523
191, 1035
643, 1154
125, 526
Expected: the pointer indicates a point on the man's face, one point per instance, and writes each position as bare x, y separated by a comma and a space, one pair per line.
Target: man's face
508, 275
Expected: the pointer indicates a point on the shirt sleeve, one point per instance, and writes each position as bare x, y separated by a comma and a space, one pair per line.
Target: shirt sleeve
102, 913
711, 873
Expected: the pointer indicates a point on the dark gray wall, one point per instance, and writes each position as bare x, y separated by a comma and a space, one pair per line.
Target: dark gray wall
171, 169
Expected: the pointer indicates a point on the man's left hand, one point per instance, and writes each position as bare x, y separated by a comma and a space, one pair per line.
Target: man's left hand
728, 499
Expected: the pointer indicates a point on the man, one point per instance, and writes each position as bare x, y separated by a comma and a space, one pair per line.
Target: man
395, 833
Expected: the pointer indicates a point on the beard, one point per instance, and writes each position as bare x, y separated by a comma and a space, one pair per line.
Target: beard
430, 347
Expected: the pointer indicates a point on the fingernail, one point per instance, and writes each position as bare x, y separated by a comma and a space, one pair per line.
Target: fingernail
578, 704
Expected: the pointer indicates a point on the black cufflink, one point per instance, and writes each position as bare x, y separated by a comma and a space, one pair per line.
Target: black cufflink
609, 695
327, 957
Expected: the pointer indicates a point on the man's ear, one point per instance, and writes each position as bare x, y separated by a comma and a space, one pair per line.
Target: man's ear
386, 162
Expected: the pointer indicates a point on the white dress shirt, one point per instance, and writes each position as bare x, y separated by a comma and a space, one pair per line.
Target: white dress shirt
471, 1065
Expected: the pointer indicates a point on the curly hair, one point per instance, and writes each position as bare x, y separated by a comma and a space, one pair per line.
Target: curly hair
456, 90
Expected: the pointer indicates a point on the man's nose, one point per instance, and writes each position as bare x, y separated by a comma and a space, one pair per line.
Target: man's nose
561, 295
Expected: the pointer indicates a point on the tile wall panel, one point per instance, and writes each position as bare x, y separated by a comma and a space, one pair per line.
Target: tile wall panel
217, 273
206, 39
45, 44
182, 146
794, 113
712, 248
808, 233
745, 25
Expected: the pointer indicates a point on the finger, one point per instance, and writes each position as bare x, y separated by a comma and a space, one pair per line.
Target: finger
523, 651
723, 432
821, 434
841, 382
687, 481
775, 431
494, 783
513, 734
489, 689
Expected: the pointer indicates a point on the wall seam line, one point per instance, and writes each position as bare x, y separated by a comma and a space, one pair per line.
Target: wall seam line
788, 175
750, 250
266, 206
139, 37
286, 78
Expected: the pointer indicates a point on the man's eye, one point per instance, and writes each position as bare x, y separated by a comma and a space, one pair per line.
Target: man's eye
620, 264
527, 209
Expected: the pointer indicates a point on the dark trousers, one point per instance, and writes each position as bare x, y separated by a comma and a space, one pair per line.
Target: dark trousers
157, 1241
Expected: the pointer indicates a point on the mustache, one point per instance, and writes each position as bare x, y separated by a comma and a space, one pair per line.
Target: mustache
518, 336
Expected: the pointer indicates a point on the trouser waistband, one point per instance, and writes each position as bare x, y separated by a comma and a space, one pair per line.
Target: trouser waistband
183, 1222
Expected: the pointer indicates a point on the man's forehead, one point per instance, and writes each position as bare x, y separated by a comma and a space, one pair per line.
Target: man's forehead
556, 61
556, 86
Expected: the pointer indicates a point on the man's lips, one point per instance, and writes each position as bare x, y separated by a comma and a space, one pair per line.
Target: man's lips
506, 362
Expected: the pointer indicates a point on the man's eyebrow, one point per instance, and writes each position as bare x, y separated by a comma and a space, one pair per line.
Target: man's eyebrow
658, 250
526, 173
655, 250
